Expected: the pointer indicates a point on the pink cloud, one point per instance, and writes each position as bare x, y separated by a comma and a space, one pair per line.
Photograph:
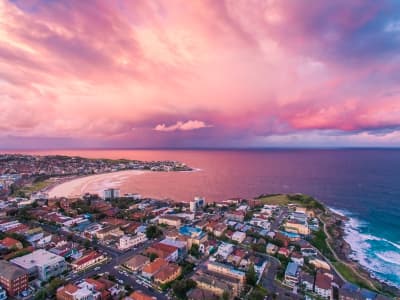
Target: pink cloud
184, 126
97, 69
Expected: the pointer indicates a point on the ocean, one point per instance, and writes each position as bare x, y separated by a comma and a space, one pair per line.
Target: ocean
363, 184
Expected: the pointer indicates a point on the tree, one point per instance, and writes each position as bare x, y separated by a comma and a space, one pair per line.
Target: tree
152, 256
251, 276
225, 295
194, 250
181, 287
153, 232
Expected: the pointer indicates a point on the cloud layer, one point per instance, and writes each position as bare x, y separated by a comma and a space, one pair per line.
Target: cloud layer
140, 73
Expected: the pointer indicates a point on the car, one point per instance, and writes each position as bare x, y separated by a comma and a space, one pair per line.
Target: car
97, 268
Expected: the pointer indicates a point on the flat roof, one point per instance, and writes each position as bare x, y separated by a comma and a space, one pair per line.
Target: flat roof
37, 258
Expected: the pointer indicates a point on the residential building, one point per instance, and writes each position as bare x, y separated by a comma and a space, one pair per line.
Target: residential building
323, 285
297, 226
292, 274
197, 203
152, 268
307, 281
170, 220
238, 236
226, 270
110, 194
235, 215
219, 229
88, 260
137, 262
42, 263
201, 294
13, 278
140, 295
168, 273
164, 251
83, 291
112, 230
194, 235
10, 243
128, 241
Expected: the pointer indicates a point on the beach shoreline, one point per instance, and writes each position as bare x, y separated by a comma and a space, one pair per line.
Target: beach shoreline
77, 186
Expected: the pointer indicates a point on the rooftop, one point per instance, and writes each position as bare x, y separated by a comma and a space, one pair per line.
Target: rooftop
10, 271
37, 258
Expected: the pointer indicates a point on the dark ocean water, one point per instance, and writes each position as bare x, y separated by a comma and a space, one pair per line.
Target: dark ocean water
364, 184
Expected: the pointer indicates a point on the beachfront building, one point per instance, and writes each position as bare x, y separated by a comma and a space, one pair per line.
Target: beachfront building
42, 263
197, 203
110, 194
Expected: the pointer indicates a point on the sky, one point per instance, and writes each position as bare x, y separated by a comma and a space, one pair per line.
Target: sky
201, 73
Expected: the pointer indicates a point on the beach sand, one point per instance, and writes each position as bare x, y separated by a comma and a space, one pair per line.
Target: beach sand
91, 184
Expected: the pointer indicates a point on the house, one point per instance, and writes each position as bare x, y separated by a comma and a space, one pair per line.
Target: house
323, 285
194, 235
235, 215
170, 220
140, 295
152, 268
128, 241
84, 291
167, 252
307, 281
294, 225
224, 250
168, 273
292, 274
42, 263
219, 229
88, 260
111, 230
297, 258
13, 279
201, 294
226, 270
10, 244
137, 262
238, 236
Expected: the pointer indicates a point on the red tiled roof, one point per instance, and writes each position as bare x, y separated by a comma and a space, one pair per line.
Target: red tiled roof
9, 242
92, 255
154, 266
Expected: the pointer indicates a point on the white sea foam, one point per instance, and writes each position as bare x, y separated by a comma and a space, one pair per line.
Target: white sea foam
382, 264
390, 257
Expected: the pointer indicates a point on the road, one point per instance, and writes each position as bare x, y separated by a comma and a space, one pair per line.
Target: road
117, 258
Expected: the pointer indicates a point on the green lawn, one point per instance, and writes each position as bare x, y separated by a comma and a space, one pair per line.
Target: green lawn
276, 200
350, 275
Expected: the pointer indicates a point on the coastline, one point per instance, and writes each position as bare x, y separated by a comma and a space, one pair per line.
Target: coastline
338, 241
76, 186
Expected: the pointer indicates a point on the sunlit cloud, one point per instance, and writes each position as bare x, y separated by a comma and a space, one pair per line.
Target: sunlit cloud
210, 73
189, 125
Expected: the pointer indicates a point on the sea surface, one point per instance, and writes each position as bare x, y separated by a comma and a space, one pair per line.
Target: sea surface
362, 184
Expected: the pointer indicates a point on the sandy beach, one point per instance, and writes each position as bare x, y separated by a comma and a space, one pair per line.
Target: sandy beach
91, 184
